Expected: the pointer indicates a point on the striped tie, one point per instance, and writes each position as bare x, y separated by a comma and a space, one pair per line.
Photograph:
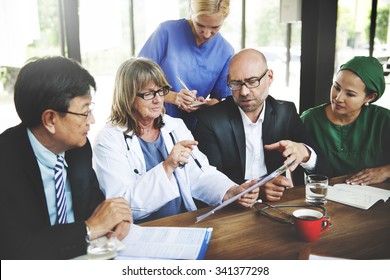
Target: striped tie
60, 190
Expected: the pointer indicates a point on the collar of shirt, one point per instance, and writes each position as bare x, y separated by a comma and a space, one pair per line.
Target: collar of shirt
246, 121
254, 151
43, 155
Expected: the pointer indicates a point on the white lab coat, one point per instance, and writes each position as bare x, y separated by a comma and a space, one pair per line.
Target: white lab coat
121, 171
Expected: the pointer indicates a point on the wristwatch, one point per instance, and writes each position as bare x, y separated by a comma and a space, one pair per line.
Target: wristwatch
88, 237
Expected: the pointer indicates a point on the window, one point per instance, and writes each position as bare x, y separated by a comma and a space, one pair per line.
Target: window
352, 39
31, 28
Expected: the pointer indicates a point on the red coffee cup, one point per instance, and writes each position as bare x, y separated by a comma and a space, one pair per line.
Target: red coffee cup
310, 224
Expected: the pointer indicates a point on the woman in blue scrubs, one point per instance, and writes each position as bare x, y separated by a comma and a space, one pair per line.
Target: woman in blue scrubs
193, 50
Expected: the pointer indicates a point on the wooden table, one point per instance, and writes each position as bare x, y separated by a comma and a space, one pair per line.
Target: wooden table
244, 234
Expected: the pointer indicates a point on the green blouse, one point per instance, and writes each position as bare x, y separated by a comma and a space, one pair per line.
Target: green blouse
350, 148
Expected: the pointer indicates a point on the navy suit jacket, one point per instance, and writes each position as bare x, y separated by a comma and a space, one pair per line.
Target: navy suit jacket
221, 136
26, 232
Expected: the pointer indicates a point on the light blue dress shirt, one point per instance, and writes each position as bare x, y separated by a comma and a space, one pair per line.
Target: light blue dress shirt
46, 162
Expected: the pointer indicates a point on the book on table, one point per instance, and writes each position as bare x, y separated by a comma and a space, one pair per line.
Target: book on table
185, 243
359, 196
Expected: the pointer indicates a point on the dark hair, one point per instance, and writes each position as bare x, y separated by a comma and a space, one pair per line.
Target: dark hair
49, 83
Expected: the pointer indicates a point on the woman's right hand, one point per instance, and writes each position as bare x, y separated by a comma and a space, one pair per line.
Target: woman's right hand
179, 156
184, 99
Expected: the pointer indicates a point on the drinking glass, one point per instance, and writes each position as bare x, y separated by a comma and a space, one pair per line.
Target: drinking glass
102, 248
316, 188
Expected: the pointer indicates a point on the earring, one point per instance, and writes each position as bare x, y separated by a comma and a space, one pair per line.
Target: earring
367, 103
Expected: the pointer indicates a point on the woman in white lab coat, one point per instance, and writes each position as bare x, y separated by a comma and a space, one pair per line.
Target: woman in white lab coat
150, 158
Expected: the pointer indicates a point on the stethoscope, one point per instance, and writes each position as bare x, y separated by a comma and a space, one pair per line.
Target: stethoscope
130, 137
128, 149
136, 171
288, 218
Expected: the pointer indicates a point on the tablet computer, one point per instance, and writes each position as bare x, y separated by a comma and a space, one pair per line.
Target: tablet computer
261, 182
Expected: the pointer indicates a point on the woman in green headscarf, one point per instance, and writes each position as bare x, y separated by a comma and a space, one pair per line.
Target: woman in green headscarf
352, 132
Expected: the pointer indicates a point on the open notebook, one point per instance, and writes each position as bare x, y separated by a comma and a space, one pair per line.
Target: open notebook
362, 197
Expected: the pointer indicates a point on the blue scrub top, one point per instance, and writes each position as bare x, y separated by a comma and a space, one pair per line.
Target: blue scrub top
154, 153
203, 68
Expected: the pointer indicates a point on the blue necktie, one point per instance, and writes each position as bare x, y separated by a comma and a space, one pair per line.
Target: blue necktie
60, 190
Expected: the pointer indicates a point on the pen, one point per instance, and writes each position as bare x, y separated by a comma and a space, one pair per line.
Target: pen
192, 155
182, 83
196, 161
194, 103
134, 209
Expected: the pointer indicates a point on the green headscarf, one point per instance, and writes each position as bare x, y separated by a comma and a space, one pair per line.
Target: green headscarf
370, 71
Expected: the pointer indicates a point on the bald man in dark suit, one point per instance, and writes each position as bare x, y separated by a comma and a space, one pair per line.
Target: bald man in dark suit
251, 134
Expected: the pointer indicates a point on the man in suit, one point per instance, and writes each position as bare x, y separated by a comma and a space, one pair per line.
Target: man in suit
53, 100
251, 134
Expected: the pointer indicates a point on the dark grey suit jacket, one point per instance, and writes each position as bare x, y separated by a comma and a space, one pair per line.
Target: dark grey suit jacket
221, 137
26, 232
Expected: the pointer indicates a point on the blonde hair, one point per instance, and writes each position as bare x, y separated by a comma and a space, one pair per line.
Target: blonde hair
206, 7
132, 76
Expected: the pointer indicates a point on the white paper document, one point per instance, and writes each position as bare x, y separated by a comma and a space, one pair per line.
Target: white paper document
165, 243
362, 197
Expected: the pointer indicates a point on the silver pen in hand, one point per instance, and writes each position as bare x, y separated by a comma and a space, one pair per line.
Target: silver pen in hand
182, 83
194, 103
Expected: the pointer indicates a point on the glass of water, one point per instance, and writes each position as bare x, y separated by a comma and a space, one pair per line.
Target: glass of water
102, 248
316, 189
